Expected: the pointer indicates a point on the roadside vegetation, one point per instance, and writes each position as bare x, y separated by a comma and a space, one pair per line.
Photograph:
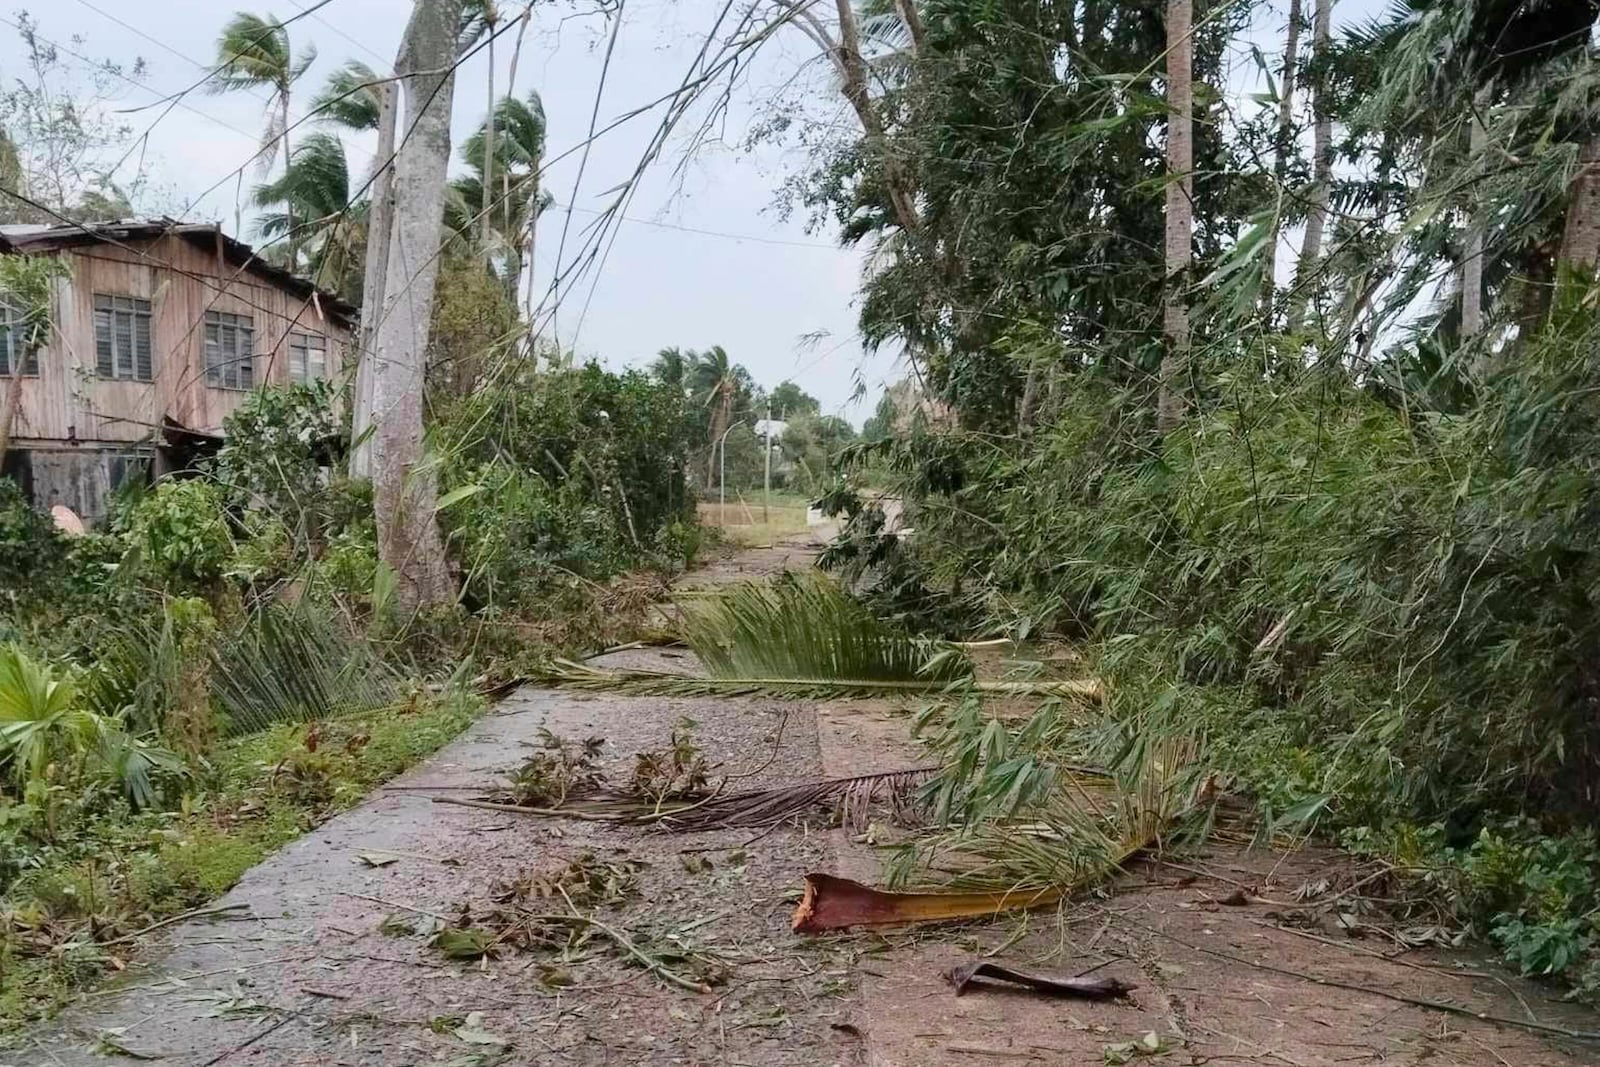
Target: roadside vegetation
1337, 531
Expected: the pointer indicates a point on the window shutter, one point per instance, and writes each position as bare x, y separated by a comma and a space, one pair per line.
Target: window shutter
102, 337
144, 359
247, 358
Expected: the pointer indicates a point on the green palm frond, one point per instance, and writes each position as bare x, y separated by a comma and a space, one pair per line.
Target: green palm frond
569, 675
1086, 829
292, 666
350, 97
805, 626
253, 50
316, 183
519, 132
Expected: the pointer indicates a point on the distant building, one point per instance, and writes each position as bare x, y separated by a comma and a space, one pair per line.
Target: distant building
777, 425
159, 330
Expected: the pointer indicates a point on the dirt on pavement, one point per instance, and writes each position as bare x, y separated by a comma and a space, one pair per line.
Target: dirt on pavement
308, 978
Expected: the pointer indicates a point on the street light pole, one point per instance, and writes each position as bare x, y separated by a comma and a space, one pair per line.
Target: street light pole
766, 478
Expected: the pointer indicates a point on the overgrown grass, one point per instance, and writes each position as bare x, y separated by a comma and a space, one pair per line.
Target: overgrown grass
745, 522
116, 872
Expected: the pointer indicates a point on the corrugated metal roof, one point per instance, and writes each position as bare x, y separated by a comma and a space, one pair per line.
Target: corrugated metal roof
29, 237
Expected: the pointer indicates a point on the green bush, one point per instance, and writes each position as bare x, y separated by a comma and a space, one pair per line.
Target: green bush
179, 534
31, 550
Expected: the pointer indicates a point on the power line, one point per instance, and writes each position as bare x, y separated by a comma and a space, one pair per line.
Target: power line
164, 46
359, 44
131, 81
708, 233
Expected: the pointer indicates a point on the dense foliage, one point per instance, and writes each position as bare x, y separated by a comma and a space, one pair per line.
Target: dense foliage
1362, 566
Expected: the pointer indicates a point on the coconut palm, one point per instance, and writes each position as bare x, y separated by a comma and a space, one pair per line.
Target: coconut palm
254, 51
716, 383
350, 97
315, 190
671, 367
515, 200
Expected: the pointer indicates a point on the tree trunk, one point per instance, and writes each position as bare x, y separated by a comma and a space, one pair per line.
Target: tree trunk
490, 16
1321, 173
853, 71
1170, 402
907, 10
8, 408
1580, 238
1472, 253
288, 205
405, 490
1282, 149
505, 172
380, 222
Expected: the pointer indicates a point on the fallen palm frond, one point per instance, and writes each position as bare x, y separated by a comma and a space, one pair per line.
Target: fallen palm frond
805, 626
292, 666
769, 807
1076, 838
754, 808
569, 675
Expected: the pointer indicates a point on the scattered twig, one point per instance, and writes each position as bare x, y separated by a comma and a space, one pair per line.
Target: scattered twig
247, 1042
1590, 1036
653, 964
394, 904
330, 994
489, 805
194, 914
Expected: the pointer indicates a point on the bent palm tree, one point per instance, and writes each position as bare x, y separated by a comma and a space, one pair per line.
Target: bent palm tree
715, 382
512, 207
351, 97
315, 189
252, 51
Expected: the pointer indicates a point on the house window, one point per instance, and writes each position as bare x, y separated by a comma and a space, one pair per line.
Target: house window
122, 338
121, 469
308, 357
15, 358
230, 351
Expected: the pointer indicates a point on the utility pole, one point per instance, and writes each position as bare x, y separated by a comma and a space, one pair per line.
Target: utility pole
766, 479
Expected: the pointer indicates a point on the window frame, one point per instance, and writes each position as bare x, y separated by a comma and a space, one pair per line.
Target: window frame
137, 314
9, 328
301, 346
237, 373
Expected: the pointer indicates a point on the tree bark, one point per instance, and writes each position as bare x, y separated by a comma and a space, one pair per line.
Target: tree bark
1321, 173
853, 71
490, 17
8, 407
1170, 401
1580, 237
288, 205
380, 222
405, 490
1283, 148
1472, 253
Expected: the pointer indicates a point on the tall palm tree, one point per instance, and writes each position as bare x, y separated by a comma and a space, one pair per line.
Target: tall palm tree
254, 51
715, 381
315, 189
671, 367
515, 200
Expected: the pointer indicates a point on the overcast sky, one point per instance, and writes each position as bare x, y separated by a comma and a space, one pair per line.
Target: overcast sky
705, 258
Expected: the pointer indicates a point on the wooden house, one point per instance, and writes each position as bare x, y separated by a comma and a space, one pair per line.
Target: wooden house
158, 330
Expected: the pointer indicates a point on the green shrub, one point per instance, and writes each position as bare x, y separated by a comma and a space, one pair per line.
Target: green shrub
179, 534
